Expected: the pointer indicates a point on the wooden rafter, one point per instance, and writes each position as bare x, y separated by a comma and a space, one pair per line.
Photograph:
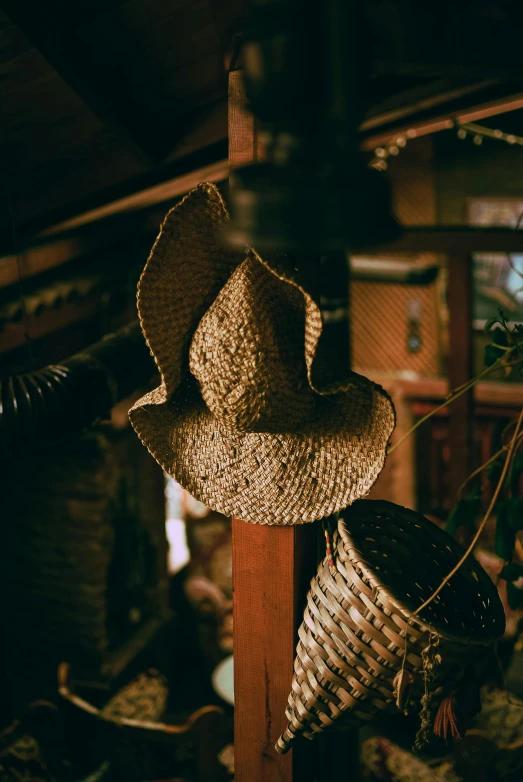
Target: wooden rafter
440, 119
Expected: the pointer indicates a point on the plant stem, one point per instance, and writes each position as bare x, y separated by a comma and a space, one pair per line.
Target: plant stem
455, 394
497, 365
481, 527
486, 464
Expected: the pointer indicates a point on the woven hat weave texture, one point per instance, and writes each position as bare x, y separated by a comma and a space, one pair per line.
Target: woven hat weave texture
241, 419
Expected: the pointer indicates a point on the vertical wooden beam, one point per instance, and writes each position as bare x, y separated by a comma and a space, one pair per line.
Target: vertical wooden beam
272, 567
460, 364
268, 564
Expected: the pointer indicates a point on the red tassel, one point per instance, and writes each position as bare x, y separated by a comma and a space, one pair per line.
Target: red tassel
328, 546
446, 723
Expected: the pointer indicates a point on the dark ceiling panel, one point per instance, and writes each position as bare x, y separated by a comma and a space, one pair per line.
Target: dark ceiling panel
97, 93
107, 64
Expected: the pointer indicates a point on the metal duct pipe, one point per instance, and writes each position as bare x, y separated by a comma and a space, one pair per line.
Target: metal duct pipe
41, 408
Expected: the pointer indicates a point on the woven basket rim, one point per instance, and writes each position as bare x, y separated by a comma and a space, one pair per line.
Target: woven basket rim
362, 566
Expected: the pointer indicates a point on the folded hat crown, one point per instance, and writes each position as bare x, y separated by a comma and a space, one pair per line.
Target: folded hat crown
248, 353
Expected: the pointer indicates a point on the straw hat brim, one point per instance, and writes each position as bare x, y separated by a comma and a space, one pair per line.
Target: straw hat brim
267, 478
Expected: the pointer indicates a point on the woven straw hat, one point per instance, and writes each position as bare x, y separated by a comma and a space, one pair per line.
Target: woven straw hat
241, 419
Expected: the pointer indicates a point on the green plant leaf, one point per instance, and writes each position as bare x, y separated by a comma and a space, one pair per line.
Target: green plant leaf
494, 470
514, 513
491, 355
514, 595
499, 337
488, 325
502, 318
505, 536
464, 514
475, 494
517, 466
511, 571
513, 575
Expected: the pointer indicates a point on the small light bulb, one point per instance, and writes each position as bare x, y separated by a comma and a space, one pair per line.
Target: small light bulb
394, 150
462, 134
380, 152
478, 140
401, 141
498, 134
511, 139
411, 133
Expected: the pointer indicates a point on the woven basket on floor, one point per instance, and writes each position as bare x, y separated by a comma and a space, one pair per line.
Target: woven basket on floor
388, 561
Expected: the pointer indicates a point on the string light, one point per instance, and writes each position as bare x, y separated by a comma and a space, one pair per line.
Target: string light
395, 145
476, 132
479, 132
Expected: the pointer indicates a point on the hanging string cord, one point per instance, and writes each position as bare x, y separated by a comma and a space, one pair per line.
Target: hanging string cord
431, 661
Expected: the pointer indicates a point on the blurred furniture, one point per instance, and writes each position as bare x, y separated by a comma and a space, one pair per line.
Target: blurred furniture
32, 748
86, 570
208, 585
492, 750
137, 741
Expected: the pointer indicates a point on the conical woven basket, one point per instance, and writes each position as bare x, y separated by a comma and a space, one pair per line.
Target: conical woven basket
387, 561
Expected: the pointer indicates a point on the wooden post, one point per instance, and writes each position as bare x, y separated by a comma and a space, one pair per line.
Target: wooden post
272, 567
268, 568
461, 411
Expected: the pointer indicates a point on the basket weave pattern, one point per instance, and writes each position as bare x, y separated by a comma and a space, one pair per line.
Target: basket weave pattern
352, 638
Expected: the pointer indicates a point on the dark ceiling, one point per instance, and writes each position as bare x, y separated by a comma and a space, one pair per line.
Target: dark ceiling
99, 96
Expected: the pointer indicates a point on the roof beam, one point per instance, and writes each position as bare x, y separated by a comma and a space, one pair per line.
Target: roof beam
440, 120
157, 194
68, 240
